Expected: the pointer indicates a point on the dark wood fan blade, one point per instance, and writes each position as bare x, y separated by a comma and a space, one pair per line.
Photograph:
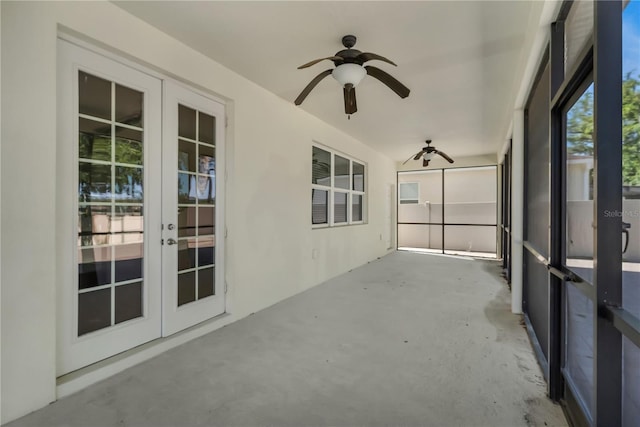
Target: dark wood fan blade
447, 158
368, 56
425, 163
310, 86
417, 156
315, 61
388, 80
413, 157
350, 106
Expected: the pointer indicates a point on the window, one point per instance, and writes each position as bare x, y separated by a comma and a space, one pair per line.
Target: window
337, 189
409, 193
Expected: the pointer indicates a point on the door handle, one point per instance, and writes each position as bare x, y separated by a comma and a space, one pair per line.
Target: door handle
171, 241
625, 231
567, 277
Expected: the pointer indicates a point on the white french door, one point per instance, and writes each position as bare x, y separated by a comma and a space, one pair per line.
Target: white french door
192, 254
132, 180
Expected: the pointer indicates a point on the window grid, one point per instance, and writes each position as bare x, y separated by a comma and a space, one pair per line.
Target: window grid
198, 238
351, 193
114, 239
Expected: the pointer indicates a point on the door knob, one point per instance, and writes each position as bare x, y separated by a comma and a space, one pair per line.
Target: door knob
171, 241
171, 226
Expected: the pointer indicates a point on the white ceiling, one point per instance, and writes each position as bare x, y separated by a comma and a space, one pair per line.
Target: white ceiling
461, 60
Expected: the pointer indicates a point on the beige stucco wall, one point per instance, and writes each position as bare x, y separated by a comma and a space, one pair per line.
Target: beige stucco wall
269, 255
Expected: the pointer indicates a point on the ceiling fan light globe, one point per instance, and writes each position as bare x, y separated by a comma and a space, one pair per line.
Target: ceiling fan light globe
349, 73
429, 156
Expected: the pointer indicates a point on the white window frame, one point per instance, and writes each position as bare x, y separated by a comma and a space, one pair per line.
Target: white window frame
332, 190
408, 201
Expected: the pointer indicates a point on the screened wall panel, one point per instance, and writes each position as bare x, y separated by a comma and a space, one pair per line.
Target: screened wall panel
537, 210
457, 205
578, 362
470, 195
537, 167
536, 298
630, 383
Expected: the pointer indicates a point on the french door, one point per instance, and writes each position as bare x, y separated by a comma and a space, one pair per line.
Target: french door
136, 204
192, 256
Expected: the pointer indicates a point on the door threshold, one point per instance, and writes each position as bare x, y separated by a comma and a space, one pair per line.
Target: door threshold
75, 381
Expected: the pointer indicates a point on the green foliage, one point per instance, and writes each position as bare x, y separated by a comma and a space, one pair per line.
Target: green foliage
631, 130
580, 128
95, 178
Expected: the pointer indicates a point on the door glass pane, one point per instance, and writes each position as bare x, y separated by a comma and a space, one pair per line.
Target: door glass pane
128, 259
196, 204
206, 282
206, 220
206, 251
94, 311
128, 184
127, 219
94, 96
186, 254
204, 187
94, 182
185, 183
341, 179
186, 156
186, 122
128, 146
128, 301
94, 225
94, 267
186, 287
186, 221
110, 211
579, 186
128, 106
95, 140
206, 128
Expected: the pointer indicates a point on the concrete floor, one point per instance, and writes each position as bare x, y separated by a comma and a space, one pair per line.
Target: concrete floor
409, 339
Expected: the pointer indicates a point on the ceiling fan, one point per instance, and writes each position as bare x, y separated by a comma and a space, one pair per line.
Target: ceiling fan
349, 71
427, 153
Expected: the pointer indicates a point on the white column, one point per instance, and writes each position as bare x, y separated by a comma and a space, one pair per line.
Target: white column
517, 210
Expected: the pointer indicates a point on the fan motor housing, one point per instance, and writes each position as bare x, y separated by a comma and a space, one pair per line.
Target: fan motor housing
349, 55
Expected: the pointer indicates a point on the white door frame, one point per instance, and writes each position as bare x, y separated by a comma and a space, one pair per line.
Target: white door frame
74, 352
161, 317
176, 318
